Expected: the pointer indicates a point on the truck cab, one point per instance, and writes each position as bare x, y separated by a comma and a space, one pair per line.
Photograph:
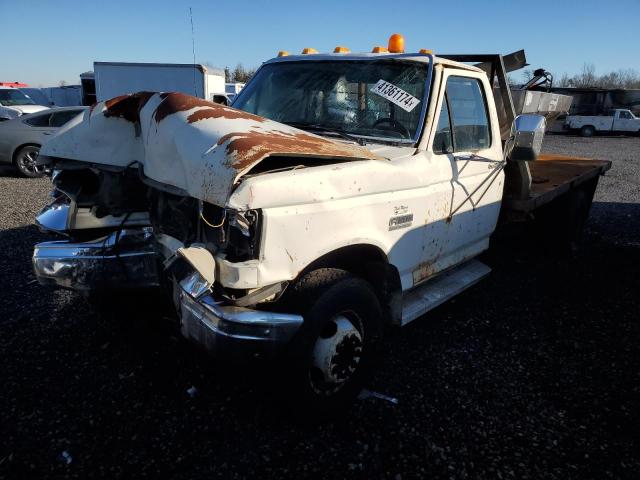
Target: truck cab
625, 121
342, 193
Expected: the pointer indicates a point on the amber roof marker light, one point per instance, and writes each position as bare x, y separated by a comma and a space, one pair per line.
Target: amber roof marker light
378, 49
309, 51
283, 53
340, 49
396, 43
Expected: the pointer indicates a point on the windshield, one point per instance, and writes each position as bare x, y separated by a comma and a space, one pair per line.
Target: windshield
381, 98
12, 96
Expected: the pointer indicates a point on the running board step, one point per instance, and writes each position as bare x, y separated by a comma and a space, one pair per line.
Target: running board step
426, 297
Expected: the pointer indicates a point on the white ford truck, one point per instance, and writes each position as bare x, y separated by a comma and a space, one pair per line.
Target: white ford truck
341, 193
616, 121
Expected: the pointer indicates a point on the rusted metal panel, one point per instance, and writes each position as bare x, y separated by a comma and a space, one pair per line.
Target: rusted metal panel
200, 147
553, 175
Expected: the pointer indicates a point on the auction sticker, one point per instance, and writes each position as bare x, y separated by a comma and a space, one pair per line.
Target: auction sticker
396, 95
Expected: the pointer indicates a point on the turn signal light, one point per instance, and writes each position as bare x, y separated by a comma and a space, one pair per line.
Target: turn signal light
396, 43
283, 53
307, 51
424, 51
379, 50
341, 50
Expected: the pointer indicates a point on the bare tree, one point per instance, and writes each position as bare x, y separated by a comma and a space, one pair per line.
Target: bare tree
588, 79
563, 81
527, 75
62, 83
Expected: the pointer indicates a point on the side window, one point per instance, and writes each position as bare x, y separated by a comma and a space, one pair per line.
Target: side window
625, 115
58, 119
38, 121
469, 118
443, 141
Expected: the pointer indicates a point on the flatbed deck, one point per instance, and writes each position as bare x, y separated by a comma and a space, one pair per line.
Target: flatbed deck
553, 175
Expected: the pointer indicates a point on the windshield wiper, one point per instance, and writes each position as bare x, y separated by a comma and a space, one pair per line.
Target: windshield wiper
314, 127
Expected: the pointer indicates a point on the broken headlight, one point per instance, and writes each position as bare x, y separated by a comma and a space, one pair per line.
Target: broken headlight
243, 235
232, 232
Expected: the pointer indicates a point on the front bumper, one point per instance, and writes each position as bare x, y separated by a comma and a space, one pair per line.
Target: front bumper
118, 261
229, 330
130, 261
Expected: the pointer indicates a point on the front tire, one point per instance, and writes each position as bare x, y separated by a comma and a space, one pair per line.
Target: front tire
25, 161
333, 354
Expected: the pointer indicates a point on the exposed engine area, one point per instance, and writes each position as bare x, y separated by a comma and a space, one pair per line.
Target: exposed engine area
119, 210
107, 192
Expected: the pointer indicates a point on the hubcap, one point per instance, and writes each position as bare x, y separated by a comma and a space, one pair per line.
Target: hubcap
336, 355
27, 161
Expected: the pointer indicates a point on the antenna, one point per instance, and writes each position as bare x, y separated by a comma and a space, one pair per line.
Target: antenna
193, 50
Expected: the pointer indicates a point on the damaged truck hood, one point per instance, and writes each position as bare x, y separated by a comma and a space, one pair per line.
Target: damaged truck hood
188, 143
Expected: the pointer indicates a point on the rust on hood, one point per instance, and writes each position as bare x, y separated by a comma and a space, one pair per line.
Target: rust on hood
127, 106
204, 152
244, 149
215, 110
178, 102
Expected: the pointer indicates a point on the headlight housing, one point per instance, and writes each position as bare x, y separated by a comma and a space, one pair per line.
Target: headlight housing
232, 232
244, 235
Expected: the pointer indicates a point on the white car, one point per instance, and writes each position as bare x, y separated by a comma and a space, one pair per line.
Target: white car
14, 103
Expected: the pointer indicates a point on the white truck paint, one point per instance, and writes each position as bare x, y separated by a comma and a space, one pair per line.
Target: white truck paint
620, 120
113, 79
398, 202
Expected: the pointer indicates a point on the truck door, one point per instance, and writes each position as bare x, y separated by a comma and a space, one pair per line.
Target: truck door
466, 134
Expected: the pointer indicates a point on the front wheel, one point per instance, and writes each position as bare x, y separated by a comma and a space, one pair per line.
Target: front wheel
25, 161
333, 354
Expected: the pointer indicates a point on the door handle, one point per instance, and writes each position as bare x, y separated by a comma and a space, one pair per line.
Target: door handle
47, 133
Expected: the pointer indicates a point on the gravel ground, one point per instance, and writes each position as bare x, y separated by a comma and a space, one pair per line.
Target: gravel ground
534, 373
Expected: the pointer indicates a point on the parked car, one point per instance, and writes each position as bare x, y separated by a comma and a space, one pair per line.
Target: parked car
620, 120
14, 103
22, 137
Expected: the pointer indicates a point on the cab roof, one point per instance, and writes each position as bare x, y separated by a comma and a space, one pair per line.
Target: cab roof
411, 57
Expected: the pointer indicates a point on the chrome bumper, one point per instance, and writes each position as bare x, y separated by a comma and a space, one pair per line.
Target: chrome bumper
123, 261
63, 216
231, 330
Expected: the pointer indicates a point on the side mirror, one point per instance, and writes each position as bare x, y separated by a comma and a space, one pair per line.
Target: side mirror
525, 141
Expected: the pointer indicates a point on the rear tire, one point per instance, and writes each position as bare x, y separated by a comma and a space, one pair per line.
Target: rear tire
25, 161
587, 131
334, 352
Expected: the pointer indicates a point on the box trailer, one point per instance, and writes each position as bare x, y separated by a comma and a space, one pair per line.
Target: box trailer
119, 78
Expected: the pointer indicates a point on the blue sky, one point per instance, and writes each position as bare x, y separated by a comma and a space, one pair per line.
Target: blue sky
48, 41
